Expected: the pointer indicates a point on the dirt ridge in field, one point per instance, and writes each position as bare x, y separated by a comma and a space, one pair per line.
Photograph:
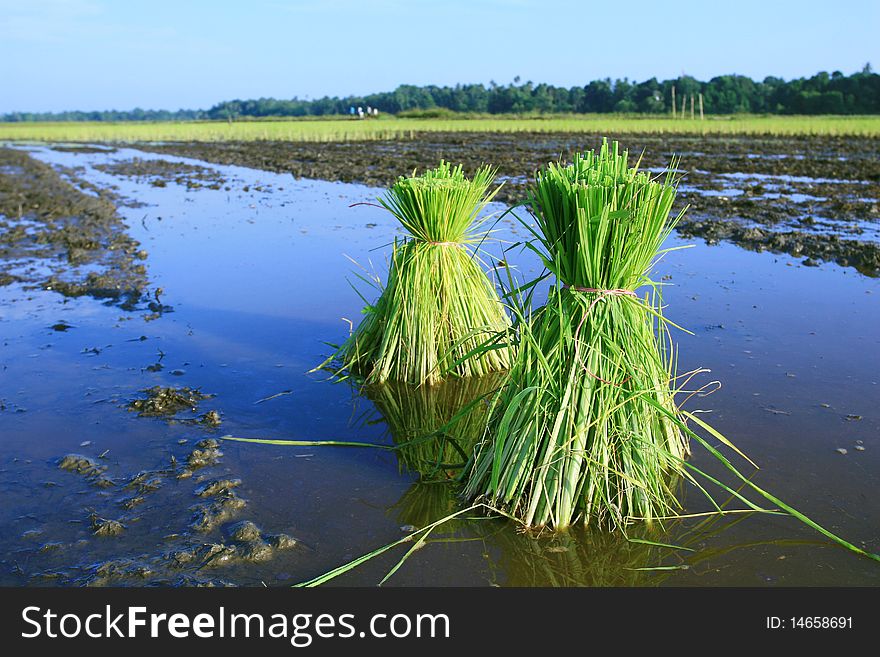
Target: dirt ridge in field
61, 234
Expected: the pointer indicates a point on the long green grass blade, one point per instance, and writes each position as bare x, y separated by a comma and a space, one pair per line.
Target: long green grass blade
305, 443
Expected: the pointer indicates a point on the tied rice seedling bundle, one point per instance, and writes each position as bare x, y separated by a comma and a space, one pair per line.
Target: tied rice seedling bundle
587, 428
438, 305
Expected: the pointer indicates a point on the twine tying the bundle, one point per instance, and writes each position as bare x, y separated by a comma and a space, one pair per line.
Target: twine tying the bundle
616, 292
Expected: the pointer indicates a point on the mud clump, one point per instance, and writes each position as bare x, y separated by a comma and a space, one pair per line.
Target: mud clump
118, 569
106, 528
208, 516
221, 506
221, 503
248, 545
51, 546
88, 468
211, 419
145, 482
141, 571
167, 402
217, 487
203, 556
96, 285
77, 236
205, 454
81, 465
282, 541
58, 576
253, 545
132, 502
255, 551
245, 532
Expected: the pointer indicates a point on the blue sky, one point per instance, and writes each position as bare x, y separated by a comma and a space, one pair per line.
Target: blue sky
100, 54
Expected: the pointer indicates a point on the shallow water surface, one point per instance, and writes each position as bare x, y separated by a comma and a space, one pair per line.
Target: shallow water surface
255, 271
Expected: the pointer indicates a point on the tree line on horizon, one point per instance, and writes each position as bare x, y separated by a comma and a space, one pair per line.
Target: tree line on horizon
823, 93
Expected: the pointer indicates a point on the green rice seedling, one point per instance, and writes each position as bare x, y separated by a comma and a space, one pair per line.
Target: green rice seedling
438, 304
435, 428
587, 428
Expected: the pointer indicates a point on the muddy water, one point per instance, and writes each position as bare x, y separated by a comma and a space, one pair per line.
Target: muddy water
252, 271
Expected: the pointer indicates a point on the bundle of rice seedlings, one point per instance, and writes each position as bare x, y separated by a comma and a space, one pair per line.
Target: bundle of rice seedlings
435, 428
587, 428
438, 304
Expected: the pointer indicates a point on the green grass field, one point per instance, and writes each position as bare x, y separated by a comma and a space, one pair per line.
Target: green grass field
344, 129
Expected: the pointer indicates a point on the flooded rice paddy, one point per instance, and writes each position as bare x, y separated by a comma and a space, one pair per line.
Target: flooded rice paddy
113, 469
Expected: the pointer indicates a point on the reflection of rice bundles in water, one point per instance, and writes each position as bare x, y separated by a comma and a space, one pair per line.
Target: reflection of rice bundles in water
435, 427
427, 501
587, 557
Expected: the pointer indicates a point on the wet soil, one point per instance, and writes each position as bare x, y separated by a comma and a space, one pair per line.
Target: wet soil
810, 196
863, 256
160, 172
58, 233
82, 148
167, 401
201, 543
